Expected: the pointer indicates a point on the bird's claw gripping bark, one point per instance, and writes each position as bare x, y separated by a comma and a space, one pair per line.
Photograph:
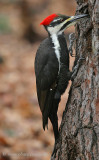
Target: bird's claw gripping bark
76, 68
71, 42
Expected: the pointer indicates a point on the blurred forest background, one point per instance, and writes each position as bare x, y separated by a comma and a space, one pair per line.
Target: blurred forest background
20, 117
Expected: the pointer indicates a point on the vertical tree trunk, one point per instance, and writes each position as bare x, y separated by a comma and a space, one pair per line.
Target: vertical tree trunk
79, 130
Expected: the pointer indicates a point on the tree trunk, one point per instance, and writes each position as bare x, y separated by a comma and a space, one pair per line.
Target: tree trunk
79, 130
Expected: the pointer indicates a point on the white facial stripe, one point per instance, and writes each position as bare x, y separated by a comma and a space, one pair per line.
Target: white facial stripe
55, 20
56, 29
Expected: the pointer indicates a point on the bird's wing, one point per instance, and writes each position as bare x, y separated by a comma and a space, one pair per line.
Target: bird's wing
46, 70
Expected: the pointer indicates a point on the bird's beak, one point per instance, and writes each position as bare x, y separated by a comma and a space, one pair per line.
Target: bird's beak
74, 19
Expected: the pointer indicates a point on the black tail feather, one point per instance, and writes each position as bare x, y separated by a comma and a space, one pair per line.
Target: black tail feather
50, 111
47, 107
53, 117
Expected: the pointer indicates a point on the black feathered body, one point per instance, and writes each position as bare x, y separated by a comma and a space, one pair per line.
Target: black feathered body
51, 78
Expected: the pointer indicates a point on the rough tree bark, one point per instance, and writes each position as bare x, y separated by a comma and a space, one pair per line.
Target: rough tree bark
79, 130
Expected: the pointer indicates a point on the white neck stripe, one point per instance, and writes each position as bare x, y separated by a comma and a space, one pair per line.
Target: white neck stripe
56, 47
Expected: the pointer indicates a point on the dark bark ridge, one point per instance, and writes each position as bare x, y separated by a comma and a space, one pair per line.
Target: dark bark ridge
79, 130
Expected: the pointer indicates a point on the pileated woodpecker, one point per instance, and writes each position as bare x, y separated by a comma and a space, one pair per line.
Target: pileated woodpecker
52, 67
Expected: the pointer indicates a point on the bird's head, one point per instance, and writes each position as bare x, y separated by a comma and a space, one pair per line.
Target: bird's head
57, 23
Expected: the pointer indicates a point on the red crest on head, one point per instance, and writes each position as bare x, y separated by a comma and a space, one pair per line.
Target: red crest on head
48, 19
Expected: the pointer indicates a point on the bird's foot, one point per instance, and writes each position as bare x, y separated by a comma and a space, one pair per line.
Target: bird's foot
76, 68
71, 42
